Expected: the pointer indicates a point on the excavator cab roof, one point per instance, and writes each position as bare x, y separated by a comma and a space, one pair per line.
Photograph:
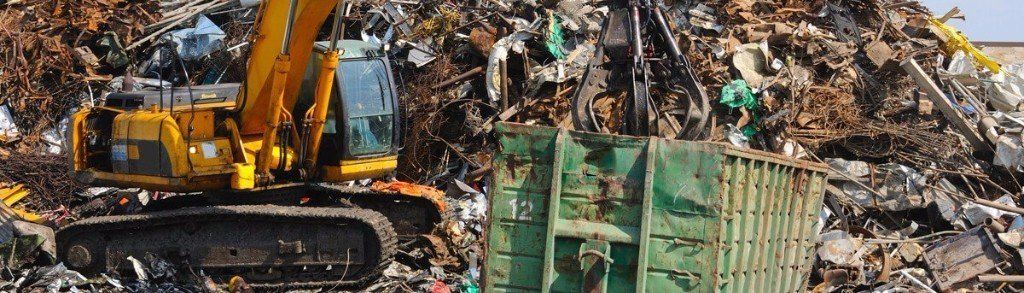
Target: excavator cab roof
351, 49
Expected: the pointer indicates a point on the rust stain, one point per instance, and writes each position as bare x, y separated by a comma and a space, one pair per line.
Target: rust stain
567, 264
410, 189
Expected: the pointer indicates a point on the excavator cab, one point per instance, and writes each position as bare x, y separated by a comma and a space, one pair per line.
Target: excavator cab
361, 132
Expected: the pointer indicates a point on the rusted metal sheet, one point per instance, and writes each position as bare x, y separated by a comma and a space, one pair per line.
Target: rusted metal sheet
574, 211
963, 257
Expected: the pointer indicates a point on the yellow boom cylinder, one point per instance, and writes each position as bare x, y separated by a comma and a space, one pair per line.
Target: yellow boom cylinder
273, 118
324, 87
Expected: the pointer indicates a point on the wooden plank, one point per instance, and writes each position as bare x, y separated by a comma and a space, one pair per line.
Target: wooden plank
950, 111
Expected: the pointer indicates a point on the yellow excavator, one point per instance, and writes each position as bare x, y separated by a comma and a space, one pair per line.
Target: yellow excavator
256, 164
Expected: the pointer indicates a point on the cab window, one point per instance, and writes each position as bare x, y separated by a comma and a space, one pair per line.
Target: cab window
367, 96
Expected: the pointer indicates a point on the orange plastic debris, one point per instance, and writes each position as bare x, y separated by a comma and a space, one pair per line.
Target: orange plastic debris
412, 189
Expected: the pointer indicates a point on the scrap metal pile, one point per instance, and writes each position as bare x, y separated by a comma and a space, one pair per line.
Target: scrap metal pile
922, 131
920, 128
52, 52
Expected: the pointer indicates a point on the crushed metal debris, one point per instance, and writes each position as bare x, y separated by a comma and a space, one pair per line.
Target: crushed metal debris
922, 132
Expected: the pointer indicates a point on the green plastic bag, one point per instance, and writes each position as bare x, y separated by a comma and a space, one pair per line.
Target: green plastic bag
738, 94
469, 287
555, 39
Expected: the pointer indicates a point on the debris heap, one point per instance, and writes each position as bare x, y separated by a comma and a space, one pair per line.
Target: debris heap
922, 131
918, 125
55, 50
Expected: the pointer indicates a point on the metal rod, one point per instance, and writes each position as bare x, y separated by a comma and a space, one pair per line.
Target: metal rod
640, 112
459, 78
1002, 278
160, 77
916, 281
286, 42
635, 107
503, 68
348, 11
999, 206
666, 32
338, 15
638, 47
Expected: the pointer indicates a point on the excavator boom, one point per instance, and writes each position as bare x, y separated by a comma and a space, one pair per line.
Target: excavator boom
257, 92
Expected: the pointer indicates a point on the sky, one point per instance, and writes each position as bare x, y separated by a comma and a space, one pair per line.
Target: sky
987, 20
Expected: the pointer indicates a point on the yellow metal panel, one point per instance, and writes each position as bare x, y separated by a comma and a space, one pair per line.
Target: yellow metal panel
210, 153
172, 184
185, 107
360, 169
146, 125
77, 143
201, 123
244, 176
29, 216
956, 41
120, 128
12, 195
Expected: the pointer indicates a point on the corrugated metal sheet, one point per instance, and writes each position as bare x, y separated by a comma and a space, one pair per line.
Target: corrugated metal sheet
707, 217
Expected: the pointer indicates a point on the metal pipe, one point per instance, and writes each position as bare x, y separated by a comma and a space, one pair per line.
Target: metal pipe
458, 78
916, 281
348, 10
999, 206
336, 27
635, 26
1002, 278
286, 42
995, 225
666, 32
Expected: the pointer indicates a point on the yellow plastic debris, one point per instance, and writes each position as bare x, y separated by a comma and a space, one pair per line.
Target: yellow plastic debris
29, 216
14, 193
955, 41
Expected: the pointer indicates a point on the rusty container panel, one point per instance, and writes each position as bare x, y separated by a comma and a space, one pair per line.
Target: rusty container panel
959, 259
585, 212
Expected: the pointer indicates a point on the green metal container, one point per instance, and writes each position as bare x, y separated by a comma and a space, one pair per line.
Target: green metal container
585, 212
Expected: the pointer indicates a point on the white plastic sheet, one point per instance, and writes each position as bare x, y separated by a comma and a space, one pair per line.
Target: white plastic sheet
199, 41
8, 131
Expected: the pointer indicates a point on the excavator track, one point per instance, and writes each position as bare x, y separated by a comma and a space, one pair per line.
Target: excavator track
410, 216
272, 247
